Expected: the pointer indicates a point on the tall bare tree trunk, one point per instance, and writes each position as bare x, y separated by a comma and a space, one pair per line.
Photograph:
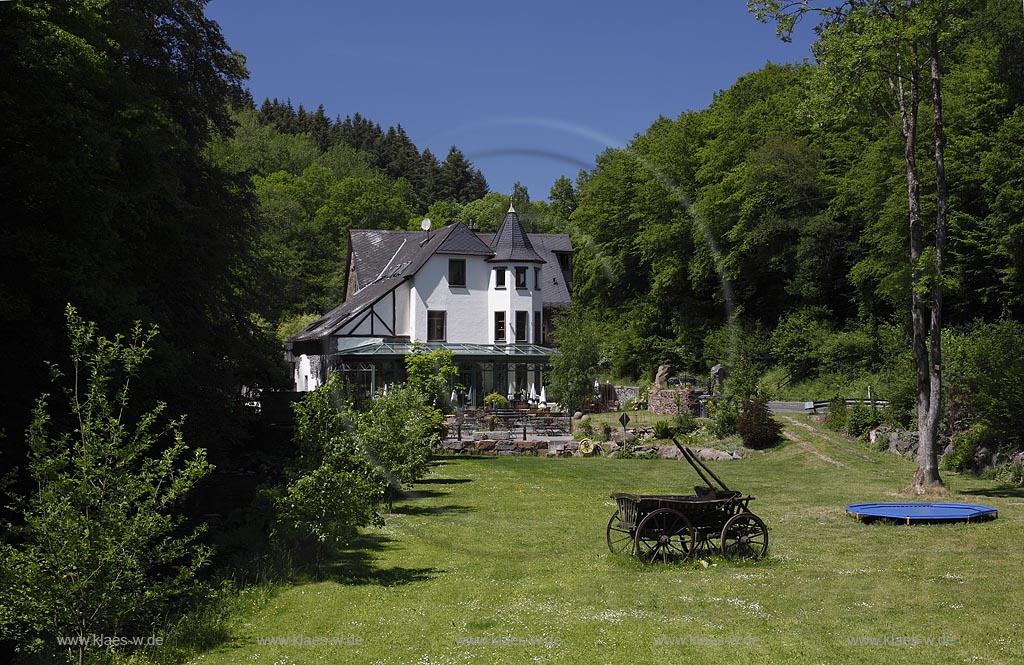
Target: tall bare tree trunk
927, 475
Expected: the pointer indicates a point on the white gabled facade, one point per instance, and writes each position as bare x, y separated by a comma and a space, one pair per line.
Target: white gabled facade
451, 288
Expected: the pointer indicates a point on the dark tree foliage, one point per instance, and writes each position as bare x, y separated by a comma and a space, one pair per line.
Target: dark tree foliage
392, 152
756, 425
109, 202
764, 204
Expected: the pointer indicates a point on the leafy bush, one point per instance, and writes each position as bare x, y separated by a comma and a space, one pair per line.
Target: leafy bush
835, 419
685, 422
662, 429
495, 401
100, 548
627, 451
965, 444
799, 339
398, 432
723, 418
756, 426
985, 372
1011, 474
432, 373
332, 488
861, 419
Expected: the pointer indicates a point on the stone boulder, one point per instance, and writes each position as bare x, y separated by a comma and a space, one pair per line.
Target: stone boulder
715, 455
661, 378
669, 452
617, 435
897, 442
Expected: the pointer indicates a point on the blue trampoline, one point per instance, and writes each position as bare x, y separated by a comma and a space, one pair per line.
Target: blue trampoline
922, 512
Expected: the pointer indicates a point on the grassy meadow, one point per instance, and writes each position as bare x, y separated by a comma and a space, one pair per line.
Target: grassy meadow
503, 560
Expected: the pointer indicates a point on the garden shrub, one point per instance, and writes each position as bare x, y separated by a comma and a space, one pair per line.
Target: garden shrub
860, 419
723, 419
98, 545
662, 429
685, 422
495, 401
835, 419
965, 444
756, 425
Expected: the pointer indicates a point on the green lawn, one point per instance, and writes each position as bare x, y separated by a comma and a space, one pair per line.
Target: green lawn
509, 554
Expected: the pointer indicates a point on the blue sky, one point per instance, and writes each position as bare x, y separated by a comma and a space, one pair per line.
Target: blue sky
528, 90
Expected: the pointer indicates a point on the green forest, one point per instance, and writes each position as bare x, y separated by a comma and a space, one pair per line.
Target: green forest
818, 228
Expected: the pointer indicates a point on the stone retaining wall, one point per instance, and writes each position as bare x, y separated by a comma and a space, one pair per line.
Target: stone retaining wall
626, 395
570, 449
669, 402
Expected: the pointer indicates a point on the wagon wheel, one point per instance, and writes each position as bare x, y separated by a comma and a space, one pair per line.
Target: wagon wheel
744, 536
620, 539
664, 535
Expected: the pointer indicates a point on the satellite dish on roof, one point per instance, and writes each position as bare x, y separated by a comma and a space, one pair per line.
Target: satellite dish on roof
425, 224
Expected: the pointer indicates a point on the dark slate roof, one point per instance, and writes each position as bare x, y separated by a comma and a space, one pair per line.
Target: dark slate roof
554, 286
370, 250
382, 260
412, 249
511, 243
463, 241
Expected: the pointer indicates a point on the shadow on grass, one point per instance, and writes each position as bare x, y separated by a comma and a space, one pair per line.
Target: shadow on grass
419, 494
1002, 492
419, 511
355, 565
444, 481
442, 460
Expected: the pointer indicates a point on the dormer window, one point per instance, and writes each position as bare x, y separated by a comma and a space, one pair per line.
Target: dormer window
499, 277
456, 272
520, 277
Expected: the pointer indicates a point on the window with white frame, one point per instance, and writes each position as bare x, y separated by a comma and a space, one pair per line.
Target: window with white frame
499, 326
436, 325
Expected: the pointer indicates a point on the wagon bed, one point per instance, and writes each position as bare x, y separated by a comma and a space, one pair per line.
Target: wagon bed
660, 527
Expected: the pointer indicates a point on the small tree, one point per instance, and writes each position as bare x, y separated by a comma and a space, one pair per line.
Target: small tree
398, 433
756, 426
333, 489
101, 548
431, 373
576, 360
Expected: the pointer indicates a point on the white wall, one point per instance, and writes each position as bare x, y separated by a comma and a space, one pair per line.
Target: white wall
510, 299
467, 320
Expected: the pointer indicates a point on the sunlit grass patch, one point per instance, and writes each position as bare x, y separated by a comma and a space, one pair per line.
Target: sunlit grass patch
504, 560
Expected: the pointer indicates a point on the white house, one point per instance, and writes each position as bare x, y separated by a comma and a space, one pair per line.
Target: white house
487, 297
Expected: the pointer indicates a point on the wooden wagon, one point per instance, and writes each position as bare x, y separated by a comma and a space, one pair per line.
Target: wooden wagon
675, 528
